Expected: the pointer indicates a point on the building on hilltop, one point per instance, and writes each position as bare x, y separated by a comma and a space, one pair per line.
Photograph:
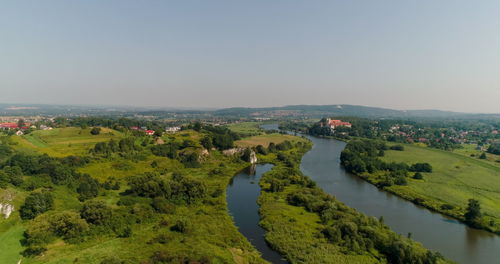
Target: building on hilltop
333, 123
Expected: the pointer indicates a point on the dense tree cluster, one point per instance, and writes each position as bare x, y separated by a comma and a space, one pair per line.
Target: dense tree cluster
360, 156
494, 148
123, 145
178, 189
36, 203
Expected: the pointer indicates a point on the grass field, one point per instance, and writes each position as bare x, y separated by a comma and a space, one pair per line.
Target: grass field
247, 128
470, 149
62, 142
455, 179
264, 140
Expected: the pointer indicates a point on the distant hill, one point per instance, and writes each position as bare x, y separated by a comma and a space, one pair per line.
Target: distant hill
291, 111
315, 111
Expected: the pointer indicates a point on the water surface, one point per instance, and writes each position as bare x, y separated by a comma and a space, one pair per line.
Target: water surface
451, 238
242, 195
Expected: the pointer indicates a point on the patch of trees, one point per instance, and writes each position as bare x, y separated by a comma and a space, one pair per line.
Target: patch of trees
421, 167
494, 149
12, 175
123, 146
94, 218
44, 229
59, 171
179, 189
473, 213
95, 131
397, 148
219, 137
166, 150
362, 156
357, 233
36, 203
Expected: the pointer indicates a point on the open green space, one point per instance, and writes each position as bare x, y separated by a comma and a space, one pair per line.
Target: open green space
60, 142
264, 140
246, 128
455, 179
470, 150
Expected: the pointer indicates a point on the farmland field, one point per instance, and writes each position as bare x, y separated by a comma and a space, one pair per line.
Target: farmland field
61, 142
455, 179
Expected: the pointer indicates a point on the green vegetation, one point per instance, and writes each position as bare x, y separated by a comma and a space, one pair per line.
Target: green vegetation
119, 196
122, 199
246, 129
264, 140
445, 183
61, 142
309, 226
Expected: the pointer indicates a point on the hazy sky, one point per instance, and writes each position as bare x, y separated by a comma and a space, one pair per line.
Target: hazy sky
396, 54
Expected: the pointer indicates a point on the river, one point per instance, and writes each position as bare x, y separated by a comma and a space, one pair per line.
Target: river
242, 194
437, 232
451, 238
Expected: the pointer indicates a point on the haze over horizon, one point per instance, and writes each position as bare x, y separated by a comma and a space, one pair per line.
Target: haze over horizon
441, 55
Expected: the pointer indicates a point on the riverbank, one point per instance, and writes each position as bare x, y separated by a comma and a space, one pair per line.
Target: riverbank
454, 179
306, 225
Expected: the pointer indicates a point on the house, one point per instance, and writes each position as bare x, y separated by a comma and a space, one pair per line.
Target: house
134, 128
149, 132
172, 129
8, 126
19, 133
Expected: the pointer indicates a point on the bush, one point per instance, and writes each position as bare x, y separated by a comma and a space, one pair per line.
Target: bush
162, 205
397, 148
182, 225
447, 207
35, 204
96, 212
418, 176
421, 167
95, 131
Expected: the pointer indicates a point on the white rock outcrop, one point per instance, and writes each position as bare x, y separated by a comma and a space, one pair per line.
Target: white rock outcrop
239, 151
6, 209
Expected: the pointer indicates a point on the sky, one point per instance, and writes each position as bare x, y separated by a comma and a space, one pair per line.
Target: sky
390, 53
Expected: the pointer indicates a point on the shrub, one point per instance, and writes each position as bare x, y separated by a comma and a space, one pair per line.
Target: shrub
95, 131
96, 212
421, 167
182, 225
397, 148
35, 204
162, 205
418, 176
447, 207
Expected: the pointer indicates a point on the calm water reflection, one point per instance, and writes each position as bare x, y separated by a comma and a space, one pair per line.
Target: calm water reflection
242, 195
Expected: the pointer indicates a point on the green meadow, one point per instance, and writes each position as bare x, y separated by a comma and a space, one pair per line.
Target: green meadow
246, 128
61, 142
264, 140
455, 179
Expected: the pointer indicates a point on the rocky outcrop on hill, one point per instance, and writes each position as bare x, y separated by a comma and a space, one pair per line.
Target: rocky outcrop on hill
241, 152
6, 209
